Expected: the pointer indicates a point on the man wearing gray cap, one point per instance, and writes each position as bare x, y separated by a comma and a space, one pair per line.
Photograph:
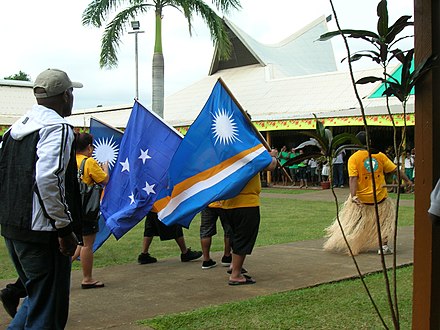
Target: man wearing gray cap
36, 217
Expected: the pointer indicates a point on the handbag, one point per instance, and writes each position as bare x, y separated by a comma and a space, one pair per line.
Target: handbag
90, 196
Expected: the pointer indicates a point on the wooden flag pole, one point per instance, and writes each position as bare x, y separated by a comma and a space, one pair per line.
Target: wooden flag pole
256, 131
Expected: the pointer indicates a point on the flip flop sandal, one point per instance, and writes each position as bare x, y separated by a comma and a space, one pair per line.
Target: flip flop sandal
94, 285
249, 280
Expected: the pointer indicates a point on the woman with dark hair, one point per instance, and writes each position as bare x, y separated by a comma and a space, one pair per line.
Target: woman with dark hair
93, 173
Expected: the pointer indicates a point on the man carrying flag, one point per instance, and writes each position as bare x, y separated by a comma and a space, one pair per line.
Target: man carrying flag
243, 215
219, 158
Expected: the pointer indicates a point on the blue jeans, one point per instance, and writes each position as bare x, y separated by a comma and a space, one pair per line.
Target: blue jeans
46, 274
338, 175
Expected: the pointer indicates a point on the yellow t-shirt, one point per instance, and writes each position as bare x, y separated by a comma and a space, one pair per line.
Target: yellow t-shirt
359, 166
92, 171
248, 197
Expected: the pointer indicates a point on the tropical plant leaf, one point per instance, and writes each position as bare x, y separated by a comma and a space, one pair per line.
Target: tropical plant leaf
300, 158
343, 138
397, 27
397, 53
369, 79
423, 67
322, 141
352, 33
371, 54
346, 147
382, 22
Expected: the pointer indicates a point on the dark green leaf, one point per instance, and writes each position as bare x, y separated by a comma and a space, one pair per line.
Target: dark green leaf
343, 138
397, 27
397, 53
345, 147
369, 79
350, 32
382, 23
300, 158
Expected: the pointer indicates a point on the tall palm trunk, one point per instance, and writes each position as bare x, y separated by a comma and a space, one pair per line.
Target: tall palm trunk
158, 68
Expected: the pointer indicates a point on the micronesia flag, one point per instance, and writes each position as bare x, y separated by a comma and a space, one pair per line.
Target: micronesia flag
141, 170
106, 140
218, 156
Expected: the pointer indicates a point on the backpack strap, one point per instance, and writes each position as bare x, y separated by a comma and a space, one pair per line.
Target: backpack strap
81, 169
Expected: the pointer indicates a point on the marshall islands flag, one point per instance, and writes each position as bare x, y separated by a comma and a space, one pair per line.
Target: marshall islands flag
218, 156
106, 140
141, 170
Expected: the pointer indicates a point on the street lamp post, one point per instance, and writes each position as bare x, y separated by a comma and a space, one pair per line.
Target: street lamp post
135, 26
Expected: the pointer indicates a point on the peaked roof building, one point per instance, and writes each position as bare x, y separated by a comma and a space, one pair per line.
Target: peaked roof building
282, 86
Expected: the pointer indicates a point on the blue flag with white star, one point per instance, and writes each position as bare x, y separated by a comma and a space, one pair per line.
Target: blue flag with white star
218, 156
106, 140
141, 170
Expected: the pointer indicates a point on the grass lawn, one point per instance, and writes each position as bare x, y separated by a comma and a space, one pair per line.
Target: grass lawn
341, 305
282, 221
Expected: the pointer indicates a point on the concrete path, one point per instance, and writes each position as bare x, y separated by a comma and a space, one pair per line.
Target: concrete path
135, 292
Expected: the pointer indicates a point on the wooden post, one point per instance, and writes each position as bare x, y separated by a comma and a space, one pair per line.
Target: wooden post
269, 142
426, 288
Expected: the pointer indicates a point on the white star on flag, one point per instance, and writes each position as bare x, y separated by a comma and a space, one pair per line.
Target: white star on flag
131, 198
125, 165
144, 156
149, 188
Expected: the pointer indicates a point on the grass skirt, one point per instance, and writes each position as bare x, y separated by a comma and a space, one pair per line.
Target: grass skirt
359, 224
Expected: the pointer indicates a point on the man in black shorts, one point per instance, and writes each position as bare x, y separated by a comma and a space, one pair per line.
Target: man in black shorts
243, 215
208, 228
154, 227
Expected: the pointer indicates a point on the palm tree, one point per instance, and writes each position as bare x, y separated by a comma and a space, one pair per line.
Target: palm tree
98, 11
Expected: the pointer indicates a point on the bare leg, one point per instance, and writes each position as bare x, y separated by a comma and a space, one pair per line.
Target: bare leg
181, 242
237, 265
227, 247
146, 244
86, 255
77, 253
206, 246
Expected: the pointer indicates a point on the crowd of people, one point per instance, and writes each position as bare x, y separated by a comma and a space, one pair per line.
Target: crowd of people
43, 163
40, 157
307, 173
311, 172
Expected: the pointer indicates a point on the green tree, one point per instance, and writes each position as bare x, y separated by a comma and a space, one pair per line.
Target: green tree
98, 11
19, 76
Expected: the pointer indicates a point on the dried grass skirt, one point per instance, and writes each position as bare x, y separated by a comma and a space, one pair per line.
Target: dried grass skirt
359, 224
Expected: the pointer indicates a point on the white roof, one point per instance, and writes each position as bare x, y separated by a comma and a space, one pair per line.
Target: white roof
293, 79
299, 54
16, 97
326, 95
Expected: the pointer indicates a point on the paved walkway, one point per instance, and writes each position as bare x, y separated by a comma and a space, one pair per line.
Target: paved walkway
135, 292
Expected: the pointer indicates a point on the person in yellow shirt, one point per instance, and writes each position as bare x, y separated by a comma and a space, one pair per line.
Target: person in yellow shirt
93, 173
358, 215
243, 215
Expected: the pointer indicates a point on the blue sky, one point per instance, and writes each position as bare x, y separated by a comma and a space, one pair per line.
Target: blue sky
49, 33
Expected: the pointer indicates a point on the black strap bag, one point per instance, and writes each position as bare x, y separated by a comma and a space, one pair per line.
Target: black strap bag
90, 196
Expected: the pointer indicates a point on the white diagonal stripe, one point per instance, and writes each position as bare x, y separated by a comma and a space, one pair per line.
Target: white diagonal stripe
208, 183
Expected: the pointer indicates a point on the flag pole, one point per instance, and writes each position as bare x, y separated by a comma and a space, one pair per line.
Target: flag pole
256, 131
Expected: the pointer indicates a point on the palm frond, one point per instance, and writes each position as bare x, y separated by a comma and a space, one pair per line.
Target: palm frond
226, 5
112, 35
97, 12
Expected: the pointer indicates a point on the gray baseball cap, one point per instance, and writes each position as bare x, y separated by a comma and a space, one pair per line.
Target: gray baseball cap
54, 82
